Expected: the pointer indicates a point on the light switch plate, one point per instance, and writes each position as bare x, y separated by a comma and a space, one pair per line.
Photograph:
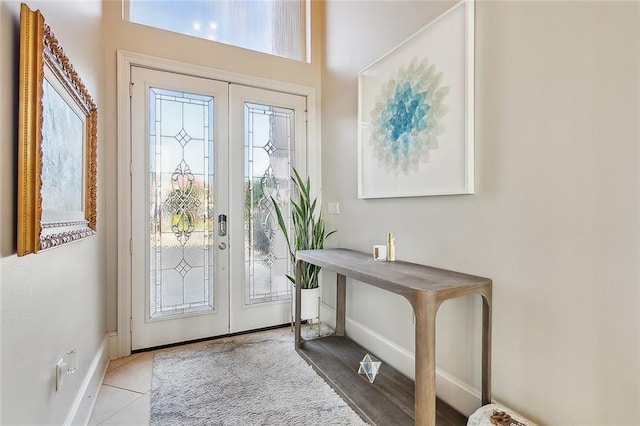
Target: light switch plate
333, 208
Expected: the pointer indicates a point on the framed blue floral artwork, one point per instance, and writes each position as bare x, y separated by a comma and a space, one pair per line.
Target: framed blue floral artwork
415, 113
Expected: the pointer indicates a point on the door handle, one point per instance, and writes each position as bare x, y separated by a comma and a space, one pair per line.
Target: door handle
222, 225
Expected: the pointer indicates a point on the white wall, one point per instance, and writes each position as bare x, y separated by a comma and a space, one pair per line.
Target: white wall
137, 38
53, 301
555, 218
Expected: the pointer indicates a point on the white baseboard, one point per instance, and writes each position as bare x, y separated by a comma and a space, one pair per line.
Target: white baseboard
113, 344
82, 407
453, 391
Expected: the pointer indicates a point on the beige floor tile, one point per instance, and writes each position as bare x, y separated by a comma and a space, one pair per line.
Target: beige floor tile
135, 375
115, 363
134, 414
110, 401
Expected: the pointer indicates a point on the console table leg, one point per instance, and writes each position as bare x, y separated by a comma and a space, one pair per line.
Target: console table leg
486, 347
340, 304
298, 310
425, 370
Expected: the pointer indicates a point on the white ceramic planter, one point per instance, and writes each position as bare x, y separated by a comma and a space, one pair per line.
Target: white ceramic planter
309, 304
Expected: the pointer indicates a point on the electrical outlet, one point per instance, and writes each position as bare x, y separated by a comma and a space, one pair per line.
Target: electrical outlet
61, 368
333, 208
66, 365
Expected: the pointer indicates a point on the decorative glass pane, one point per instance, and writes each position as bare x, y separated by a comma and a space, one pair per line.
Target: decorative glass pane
181, 203
268, 157
269, 26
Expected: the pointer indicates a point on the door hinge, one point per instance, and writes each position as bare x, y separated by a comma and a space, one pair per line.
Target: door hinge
130, 246
131, 168
130, 90
131, 325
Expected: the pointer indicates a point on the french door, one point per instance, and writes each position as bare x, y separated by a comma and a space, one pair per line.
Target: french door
208, 159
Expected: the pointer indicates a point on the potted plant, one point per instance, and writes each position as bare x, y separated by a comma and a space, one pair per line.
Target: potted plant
307, 233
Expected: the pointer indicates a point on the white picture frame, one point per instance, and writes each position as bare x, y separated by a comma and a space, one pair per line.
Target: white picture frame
416, 110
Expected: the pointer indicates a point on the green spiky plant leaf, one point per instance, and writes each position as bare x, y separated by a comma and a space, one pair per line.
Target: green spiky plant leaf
308, 229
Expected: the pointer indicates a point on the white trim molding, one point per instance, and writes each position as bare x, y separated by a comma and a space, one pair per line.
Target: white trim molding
85, 400
113, 344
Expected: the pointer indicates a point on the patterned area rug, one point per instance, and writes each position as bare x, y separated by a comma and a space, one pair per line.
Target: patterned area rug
254, 379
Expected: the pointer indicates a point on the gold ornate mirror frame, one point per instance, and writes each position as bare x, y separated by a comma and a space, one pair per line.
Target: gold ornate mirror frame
57, 142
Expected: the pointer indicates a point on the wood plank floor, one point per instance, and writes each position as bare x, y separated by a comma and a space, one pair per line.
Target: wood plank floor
387, 401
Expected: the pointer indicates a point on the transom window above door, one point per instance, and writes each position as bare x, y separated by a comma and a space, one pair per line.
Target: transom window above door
276, 27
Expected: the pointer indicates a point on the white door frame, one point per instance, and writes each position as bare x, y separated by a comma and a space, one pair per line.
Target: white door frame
125, 60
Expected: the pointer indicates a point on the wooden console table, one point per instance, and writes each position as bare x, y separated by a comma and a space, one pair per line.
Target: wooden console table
336, 357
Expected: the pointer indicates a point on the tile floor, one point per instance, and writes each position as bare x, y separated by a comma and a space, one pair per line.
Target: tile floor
125, 394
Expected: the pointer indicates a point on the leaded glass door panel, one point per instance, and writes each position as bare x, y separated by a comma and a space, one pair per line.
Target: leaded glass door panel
180, 286
202, 149
268, 138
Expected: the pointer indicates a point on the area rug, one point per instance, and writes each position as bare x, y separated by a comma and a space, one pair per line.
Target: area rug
254, 379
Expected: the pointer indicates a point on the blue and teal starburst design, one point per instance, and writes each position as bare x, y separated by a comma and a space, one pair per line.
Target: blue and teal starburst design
406, 117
